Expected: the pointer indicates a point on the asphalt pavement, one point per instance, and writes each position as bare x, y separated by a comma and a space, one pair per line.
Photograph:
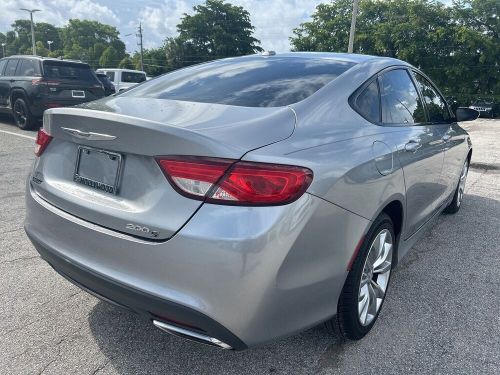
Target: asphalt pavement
441, 315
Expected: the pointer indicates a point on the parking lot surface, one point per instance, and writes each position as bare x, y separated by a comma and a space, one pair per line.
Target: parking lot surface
441, 314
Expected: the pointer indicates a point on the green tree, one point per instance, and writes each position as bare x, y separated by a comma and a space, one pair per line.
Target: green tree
89, 40
216, 30
109, 58
126, 63
457, 46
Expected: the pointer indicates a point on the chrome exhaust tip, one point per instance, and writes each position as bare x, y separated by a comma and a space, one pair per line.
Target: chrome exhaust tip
190, 335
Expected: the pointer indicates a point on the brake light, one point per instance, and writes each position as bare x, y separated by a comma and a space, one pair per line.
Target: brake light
226, 181
41, 81
42, 141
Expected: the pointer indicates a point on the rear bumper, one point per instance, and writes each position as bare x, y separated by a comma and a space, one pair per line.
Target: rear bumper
150, 306
241, 275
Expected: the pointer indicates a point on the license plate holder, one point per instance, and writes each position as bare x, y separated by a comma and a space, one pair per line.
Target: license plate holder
78, 93
98, 169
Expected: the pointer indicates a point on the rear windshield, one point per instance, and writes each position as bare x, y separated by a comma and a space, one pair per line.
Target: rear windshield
133, 77
66, 70
251, 82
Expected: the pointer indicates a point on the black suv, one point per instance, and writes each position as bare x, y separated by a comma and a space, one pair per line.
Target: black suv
30, 84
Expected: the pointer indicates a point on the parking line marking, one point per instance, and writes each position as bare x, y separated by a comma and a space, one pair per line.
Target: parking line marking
17, 134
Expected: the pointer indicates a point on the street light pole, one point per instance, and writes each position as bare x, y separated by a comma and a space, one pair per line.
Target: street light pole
3, 49
350, 47
49, 42
31, 11
139, 35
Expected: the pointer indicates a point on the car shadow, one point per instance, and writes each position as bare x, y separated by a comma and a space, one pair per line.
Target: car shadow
133, 345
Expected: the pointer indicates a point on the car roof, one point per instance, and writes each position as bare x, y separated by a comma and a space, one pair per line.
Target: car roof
119, 70
335, 56
44, 58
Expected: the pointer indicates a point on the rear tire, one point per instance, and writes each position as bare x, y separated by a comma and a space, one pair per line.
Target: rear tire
22, 115
366, 285
455, 204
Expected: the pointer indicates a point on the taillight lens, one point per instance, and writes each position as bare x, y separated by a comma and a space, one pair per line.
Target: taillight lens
42, 141
226, 181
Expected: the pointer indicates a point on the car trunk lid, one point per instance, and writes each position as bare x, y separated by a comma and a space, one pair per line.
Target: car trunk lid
134, 131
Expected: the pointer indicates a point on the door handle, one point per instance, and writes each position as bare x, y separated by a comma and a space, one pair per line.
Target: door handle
446, 137
412, 146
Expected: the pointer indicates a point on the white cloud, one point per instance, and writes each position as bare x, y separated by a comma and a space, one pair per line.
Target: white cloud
57, 12
274, 20
161, 20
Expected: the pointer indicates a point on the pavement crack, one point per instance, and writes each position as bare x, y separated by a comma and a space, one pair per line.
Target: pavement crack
20, 259
46, 366
100, 367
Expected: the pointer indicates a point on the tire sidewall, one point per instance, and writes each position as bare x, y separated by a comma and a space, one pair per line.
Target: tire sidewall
29, 120
349, 322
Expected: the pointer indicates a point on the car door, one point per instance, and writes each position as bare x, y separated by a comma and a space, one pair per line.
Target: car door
419, 152
8, 79
444, 126
4, 84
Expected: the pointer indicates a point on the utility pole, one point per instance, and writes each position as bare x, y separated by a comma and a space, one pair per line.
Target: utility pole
139, 35
3, 49
350, 47
31, 11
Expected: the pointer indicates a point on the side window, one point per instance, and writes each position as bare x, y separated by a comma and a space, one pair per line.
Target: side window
26, 68
368, 104
436, 106
2, 66
111, 76
400, 101
10, 70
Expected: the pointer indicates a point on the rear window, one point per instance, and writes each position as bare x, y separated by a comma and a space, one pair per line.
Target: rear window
133, 77
249, 82
368, 102
65, 70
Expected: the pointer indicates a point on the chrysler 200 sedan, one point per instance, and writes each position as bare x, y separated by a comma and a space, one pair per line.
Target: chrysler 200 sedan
249, 198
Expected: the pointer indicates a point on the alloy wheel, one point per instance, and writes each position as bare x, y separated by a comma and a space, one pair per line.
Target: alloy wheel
20, 113
375, 277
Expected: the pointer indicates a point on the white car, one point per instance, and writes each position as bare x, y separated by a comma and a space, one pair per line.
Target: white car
123, 79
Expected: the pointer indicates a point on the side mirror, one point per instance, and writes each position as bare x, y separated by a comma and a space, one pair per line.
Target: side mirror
466, 114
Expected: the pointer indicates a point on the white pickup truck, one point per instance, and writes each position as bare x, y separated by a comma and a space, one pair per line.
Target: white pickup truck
123, 79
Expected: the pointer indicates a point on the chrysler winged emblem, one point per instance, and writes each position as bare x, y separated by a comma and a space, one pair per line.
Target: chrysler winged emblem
89, 135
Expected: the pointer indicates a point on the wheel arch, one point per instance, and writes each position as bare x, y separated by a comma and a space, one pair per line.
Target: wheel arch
15, 94
395, 210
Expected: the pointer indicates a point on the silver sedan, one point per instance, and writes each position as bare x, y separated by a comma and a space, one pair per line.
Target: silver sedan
246, 199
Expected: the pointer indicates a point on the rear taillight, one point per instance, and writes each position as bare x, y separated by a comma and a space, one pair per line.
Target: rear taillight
41, 81
42, 141
233, 182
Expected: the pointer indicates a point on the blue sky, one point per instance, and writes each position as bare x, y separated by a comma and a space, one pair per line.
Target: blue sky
273, 19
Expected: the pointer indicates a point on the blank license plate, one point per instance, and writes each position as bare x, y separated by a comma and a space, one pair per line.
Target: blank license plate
98, 169
78, 93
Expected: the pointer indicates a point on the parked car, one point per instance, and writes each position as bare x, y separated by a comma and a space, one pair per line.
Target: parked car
109, 88
485, 107
124, 78
245, 199
30, 84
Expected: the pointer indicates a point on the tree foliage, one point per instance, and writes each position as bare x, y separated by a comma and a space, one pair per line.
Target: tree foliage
216, 30
457, 46
90, 41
